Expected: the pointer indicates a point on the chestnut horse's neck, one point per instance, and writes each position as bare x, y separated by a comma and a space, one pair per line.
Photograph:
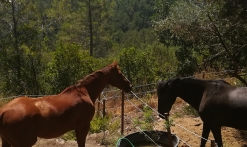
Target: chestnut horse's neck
94, 84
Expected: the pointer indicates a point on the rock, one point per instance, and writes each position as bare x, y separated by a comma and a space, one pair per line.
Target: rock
60, 141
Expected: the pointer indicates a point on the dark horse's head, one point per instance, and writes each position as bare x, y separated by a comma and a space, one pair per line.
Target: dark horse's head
166, 96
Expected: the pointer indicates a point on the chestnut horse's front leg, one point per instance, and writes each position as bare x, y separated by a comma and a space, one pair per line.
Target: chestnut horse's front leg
81, 134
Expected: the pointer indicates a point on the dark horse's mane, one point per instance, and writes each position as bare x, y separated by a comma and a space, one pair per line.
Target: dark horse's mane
161, 84
193, 78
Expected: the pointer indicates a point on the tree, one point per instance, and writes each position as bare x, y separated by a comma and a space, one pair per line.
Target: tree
90, 27
102, 15
132, 23
64, 69
21, 47
213, 31
69, 65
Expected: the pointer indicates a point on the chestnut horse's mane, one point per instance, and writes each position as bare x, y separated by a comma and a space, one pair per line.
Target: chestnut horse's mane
88, 78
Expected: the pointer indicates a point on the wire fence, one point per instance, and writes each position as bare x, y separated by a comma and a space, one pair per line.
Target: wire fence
140, 97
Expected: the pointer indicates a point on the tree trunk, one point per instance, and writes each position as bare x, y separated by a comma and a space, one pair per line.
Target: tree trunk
90, 27
16, 48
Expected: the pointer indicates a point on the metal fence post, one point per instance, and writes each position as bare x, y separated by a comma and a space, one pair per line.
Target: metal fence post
98, 112
104, 107
122, 114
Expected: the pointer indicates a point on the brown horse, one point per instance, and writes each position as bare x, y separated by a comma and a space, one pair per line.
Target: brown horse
24, 119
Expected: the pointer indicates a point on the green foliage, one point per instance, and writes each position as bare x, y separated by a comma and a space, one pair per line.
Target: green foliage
187, 63
148, 65
43, 44
135, 65
147, 123
169, 123
65, 68
133, 14
148, 118
36, 37
99, 124
71, 135
189, 110
69, 65
211, 32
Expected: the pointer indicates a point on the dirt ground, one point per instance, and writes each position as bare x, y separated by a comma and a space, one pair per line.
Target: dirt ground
231, 137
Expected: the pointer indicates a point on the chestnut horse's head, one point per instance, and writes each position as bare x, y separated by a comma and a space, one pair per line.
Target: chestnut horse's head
117, 79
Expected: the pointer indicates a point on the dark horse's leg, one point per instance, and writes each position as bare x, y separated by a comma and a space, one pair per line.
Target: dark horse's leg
205, 133
216, 130
81, 134
5, 143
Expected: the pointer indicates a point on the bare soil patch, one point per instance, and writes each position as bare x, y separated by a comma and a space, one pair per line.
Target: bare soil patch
231, 137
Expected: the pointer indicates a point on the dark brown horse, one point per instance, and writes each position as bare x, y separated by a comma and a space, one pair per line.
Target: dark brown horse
217, 102
24, 119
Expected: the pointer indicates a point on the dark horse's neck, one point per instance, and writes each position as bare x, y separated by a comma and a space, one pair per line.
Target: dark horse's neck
191, 91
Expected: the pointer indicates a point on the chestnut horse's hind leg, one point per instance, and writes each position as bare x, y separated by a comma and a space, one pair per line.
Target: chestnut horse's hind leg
81, 134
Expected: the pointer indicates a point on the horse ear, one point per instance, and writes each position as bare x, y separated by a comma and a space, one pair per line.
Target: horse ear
114, 64
160, 85
159, 82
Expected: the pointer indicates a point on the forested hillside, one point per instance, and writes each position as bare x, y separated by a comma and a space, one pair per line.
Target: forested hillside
48, 45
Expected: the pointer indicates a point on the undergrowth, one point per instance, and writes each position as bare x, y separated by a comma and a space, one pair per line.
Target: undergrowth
189, 110
147, 122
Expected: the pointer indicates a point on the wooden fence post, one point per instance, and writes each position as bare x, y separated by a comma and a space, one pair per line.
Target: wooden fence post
104, 107
122, 114
98, 112
203, 75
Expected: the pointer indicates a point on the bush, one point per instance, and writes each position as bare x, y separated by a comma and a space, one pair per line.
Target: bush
189, 110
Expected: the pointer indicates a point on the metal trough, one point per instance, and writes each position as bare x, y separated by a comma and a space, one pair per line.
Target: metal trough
145, 138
